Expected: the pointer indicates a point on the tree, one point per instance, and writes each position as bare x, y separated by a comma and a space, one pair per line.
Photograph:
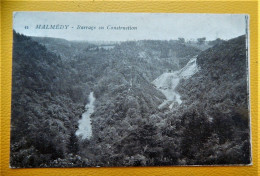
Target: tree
181, 40
201, 41
73, 143
216, 42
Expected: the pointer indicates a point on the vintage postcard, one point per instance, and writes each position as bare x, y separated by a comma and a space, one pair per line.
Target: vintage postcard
130, 89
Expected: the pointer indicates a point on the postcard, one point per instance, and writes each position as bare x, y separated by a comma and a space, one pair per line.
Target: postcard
130, 89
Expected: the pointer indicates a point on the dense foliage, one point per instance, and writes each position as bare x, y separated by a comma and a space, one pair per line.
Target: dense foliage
52, 79
219, 93
44, 115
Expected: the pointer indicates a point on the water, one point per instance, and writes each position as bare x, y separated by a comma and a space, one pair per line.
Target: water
85, 127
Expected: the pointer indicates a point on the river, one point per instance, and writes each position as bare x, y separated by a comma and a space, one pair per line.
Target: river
85, 128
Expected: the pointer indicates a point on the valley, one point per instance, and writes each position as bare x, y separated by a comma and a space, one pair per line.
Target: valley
132, 103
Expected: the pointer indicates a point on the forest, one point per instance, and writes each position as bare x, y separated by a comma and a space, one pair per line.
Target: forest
133, 119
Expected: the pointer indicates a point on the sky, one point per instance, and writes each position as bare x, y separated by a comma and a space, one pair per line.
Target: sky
154, 26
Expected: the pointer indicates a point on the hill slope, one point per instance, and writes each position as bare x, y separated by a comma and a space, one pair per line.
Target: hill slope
44, 115
218, 94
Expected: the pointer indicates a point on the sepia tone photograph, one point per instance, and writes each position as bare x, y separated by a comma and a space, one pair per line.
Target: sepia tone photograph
130, 89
